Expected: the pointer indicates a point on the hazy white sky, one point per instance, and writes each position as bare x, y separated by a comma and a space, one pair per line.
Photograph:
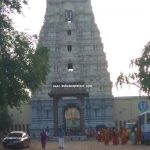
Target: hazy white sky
124, 28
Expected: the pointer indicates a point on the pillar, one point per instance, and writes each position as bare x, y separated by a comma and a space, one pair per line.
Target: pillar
55, 113
82, 115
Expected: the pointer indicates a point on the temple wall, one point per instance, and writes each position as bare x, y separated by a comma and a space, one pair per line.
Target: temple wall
123, 109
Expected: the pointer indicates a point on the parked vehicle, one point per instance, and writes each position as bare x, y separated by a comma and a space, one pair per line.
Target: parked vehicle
19, 139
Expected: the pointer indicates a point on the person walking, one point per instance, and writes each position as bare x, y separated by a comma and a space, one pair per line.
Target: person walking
133, 136
115, 136
106, 136
98, 135
61, 138
47, 130
124, 138
43, 136
139, 135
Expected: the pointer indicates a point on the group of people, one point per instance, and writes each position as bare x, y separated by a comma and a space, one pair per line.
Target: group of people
44, 138
107, 135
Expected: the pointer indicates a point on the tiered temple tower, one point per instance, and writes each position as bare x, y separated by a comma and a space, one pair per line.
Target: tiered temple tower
78, 91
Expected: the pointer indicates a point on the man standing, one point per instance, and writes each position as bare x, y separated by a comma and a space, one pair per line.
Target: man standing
61, 138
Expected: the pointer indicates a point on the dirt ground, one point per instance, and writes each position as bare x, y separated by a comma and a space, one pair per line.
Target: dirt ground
84, 145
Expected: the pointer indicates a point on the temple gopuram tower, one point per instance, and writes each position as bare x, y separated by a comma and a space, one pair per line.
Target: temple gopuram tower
77, 95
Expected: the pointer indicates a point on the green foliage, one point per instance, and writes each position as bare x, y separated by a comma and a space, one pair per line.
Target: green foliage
141, 78
23, 67
10, 6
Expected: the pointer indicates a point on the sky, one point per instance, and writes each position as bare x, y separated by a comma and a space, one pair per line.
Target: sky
124, 27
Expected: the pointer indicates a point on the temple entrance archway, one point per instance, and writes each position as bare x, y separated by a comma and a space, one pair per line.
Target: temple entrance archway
71, 89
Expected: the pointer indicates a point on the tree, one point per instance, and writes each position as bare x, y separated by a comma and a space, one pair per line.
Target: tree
141, 78
23, 67
5, 119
